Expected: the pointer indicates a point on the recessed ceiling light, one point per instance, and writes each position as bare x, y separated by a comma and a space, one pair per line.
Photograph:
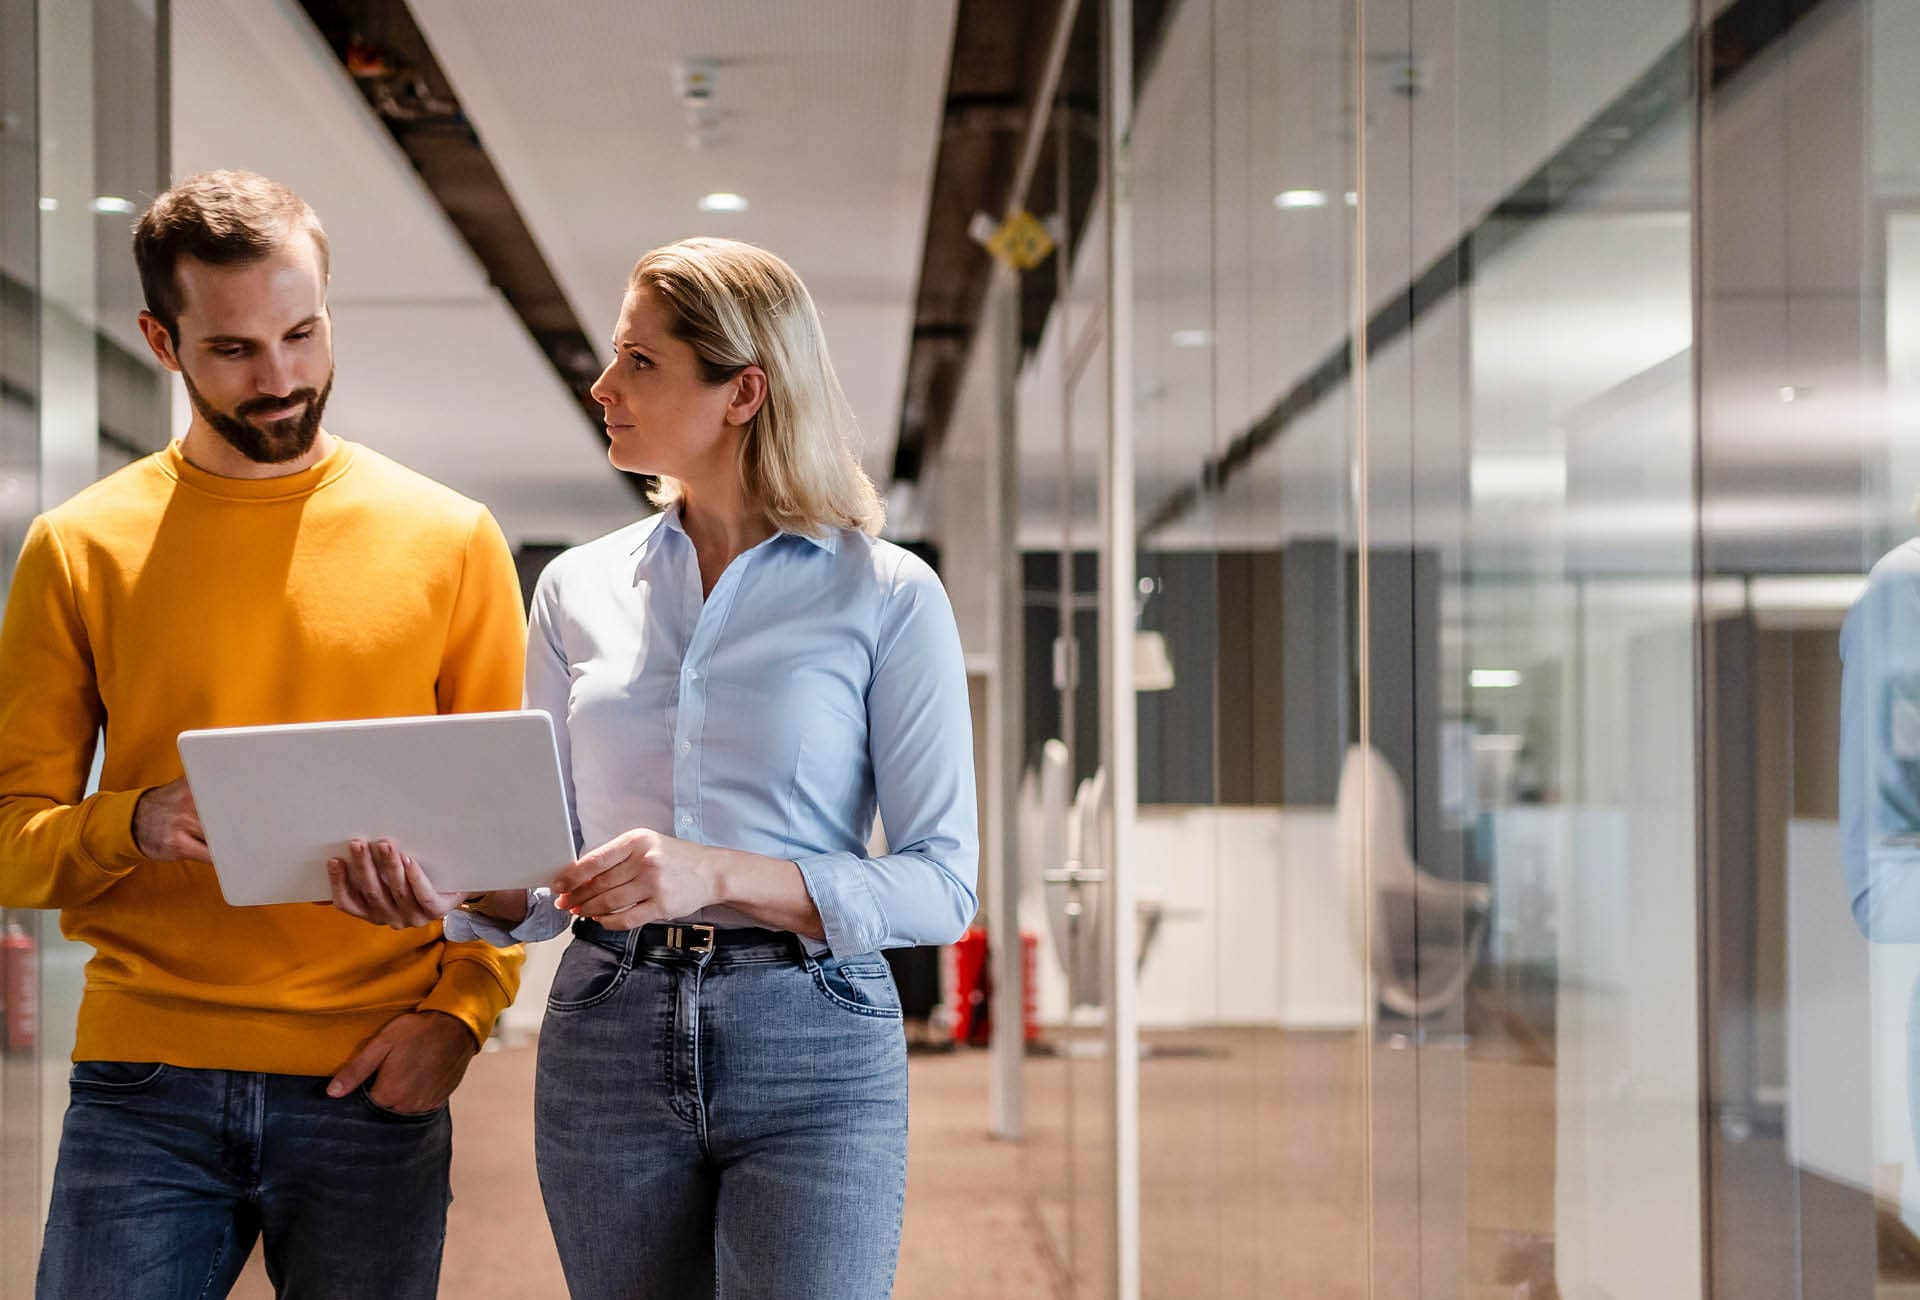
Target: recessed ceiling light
723, 202
1300, 199
49, 204
1353, 199
1192, 338
1493, 679
113, 203
1795, 393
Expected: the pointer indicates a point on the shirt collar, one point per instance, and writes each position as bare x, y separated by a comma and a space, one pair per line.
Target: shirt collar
669, 521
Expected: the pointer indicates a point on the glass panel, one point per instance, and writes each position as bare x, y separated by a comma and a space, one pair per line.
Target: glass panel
1891, 33
1066, 1160
83, 144
1809, 176
1175, 861
1090, 1132
1528, 603
19, 499
1253, 1162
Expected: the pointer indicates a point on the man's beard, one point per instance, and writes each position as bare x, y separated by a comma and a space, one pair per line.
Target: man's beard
276, 442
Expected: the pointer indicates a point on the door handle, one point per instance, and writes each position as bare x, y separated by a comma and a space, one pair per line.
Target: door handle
1075, 875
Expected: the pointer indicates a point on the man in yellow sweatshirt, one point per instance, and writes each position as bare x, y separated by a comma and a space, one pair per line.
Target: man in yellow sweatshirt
260, 570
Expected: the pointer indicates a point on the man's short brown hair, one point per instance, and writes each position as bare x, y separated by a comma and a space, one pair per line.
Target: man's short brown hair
224, 218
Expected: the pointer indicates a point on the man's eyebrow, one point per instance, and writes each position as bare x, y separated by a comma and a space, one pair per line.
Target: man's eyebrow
240, 338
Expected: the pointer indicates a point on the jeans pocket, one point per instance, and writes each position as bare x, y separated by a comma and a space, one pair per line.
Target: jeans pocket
115, 1078
365, 1093
588, 976
862, 984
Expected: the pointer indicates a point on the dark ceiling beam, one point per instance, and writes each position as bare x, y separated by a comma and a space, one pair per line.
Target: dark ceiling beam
996, 69
381, 48
990, 75
1742, 33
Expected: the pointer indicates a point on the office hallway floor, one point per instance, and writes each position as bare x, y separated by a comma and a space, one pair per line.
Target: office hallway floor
967, 1233
1253, 1173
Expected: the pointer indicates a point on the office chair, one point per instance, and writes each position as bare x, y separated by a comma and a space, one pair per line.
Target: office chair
1427, 932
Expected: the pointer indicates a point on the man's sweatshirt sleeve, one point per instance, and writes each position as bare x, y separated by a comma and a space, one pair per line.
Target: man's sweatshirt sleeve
56, 849
481, 672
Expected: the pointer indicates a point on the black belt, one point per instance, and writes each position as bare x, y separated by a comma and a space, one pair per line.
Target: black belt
681, 936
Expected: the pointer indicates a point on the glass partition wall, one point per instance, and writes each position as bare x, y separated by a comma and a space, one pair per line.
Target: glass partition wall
1251, 1070
19, 498
1522, 393
82, 148
1245, 978
1530, 663
1808, 175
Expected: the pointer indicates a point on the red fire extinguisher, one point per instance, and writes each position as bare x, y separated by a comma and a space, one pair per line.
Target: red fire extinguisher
969, 984
21, 974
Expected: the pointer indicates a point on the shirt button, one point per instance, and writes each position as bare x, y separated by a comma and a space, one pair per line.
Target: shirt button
686, 819
686, 746
693, 674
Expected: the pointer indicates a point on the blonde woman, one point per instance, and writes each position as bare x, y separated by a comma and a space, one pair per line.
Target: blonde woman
737, 682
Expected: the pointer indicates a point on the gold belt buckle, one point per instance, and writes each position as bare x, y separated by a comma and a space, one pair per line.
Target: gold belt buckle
690, 938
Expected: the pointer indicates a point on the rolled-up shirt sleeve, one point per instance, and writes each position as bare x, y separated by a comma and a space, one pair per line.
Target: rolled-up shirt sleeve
543, 921
547, 684
920, 739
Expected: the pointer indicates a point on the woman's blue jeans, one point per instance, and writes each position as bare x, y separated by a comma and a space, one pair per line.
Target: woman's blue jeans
728, 1123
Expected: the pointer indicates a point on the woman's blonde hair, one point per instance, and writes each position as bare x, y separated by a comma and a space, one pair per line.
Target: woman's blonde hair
737, 306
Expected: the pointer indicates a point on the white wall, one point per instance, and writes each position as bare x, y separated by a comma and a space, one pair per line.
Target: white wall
1254, 927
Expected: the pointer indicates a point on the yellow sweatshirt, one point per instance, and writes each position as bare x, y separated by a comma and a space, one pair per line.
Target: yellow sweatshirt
164, 598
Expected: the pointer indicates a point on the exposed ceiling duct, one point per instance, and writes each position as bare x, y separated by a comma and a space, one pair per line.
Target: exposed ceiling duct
1005, 53
380, 45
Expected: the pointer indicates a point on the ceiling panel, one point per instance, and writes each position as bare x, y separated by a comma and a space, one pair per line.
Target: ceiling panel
433, 368
828, 117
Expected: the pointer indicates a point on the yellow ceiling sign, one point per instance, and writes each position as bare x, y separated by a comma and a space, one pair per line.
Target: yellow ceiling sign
1020, 241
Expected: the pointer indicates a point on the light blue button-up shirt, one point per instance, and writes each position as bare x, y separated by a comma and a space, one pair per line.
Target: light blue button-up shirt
1880, 749
820, 681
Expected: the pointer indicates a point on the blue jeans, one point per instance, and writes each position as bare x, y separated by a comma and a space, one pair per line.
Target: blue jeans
167, 1175
731, 1123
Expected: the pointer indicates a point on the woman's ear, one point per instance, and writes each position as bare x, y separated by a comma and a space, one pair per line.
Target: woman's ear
749, 395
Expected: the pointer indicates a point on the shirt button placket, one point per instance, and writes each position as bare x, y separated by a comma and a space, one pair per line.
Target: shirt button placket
691, 714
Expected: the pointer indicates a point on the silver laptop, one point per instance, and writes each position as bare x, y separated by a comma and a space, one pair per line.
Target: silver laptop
475, 798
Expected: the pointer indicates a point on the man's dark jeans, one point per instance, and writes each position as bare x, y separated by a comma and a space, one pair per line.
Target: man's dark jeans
168, 1175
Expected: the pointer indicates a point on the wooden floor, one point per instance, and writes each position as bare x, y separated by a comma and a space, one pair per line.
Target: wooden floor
1254, 1157
1252, 1163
